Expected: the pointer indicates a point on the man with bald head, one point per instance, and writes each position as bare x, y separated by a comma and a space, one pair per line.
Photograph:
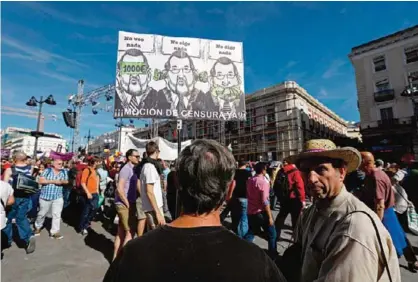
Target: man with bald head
22, 204
378, 195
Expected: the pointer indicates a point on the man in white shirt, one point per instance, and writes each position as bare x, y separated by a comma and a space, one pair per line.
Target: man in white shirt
151, 192
7, 199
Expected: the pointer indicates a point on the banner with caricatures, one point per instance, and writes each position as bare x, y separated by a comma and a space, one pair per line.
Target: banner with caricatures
179, 78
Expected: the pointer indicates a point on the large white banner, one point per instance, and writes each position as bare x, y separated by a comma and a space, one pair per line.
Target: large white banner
181, 78
168, 150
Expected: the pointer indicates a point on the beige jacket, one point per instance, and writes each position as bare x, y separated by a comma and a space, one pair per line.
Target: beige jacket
351, 252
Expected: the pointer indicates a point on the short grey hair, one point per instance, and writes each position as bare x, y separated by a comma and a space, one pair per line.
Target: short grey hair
19, 156
205, 170
379, 163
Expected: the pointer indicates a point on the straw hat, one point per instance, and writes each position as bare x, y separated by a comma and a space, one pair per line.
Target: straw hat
327, 149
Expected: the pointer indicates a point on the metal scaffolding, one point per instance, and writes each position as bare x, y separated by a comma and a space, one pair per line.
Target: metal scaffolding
276, 127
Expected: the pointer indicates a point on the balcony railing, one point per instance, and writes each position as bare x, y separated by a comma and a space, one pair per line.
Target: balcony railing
384, 95
388, 122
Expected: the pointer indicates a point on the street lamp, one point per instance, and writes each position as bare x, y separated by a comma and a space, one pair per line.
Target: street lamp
33, 102
411, 91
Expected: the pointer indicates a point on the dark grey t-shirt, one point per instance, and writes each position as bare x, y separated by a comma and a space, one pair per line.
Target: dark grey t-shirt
205, 254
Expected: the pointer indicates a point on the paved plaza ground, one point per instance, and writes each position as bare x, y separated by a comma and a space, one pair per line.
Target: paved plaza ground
78, 258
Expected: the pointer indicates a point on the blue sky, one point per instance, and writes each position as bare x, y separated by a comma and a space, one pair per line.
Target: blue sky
46, 47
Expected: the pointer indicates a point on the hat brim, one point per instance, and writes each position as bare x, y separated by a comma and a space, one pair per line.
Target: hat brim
348, 154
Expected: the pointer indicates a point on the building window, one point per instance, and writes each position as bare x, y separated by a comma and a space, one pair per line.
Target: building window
382, 85
379, 63
386, 113
414, 78
411, 54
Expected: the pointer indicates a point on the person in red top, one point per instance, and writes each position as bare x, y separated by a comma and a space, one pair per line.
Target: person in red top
290, 191
80, 166
4, 165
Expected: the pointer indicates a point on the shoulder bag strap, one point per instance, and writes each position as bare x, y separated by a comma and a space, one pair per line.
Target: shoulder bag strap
394, 187
48, 173
88, 176
304, 242
379, 239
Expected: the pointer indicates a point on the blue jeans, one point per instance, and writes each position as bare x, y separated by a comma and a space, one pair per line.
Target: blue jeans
239, 216
66, 192
19, 212
89, 209
258, 220
33, 211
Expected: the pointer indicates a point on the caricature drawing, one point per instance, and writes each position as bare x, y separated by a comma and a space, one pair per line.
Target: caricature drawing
132, 83
181, 76
225, 86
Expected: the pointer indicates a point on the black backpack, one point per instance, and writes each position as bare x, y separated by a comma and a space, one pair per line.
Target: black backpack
23, 184
281, 185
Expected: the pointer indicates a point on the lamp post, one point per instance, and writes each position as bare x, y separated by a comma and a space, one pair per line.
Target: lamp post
33, 102
119, 125
88, 137
411, 91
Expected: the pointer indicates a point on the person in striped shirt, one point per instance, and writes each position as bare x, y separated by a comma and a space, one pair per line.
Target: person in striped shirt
51, 198
22, 204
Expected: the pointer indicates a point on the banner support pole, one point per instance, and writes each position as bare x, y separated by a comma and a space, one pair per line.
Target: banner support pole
179, 131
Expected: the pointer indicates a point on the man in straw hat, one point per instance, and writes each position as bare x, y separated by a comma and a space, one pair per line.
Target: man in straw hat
332, 238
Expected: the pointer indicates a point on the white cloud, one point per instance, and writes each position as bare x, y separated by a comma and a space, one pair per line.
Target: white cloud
22, 57
333, 69
248, 13
323, 92
93, 54
215, 11
296, 76
104, 39
89, 21
59, 76
291, 64
37, 54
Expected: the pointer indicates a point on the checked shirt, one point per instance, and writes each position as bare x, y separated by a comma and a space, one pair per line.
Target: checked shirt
51, 192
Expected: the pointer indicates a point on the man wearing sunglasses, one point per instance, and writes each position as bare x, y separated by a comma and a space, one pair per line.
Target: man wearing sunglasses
51, 198
151, 190
125, 201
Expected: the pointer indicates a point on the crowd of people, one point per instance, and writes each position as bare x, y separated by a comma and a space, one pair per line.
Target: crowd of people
33, 190
343, 205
